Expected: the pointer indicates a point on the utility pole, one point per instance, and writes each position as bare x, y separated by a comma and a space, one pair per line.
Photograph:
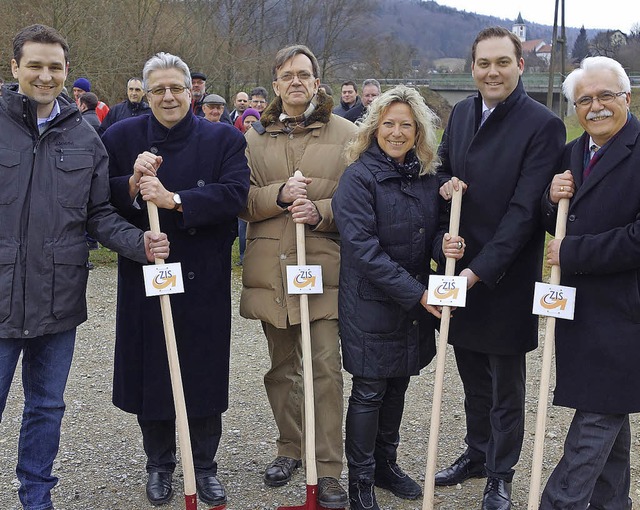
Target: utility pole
558, 47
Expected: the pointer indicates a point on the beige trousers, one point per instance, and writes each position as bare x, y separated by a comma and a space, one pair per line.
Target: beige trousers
284, 386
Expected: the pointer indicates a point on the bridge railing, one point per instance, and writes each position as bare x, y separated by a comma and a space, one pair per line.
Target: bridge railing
464, 81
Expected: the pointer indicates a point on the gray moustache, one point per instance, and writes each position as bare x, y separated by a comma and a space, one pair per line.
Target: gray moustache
603, 113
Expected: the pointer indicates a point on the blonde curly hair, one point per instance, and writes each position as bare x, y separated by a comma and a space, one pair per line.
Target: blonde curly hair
426, 120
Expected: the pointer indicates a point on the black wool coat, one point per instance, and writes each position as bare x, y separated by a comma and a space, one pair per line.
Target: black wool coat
388, 227
598, 353
507, 164
205, 163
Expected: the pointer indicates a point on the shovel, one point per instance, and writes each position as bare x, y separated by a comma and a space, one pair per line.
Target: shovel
443, 339
307, 372
182, 424
545, 373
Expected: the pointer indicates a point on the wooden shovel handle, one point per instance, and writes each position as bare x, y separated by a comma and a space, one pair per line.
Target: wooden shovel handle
307, 365
182, 423
545, 373
443, 339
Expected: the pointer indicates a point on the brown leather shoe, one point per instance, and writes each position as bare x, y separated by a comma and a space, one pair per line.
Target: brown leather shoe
280, 471
331, 494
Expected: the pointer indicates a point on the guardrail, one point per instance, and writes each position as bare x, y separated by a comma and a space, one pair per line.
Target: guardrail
464, 81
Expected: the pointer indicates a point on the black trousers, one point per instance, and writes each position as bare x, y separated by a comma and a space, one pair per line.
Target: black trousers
595, 467
373, 424
494, 389
159, 442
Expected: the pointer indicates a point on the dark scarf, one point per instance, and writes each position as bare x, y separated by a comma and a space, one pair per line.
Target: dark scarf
411, 166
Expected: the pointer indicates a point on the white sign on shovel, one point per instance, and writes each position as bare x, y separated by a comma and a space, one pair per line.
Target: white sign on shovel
161, 279
557, 301
304, 280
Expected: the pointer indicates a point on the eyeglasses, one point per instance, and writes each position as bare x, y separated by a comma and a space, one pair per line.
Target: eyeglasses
604, 98
258, 101
161, 91
302, 76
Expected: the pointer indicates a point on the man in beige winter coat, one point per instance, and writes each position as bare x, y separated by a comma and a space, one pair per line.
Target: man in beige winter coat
298, 132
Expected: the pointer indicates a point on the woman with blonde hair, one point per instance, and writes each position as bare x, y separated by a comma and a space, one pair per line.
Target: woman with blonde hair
388, 213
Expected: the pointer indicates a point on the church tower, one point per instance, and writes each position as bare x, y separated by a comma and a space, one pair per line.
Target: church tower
520, 29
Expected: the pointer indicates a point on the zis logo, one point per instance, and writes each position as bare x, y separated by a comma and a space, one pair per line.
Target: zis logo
164, 278
553, 300
304, 278
446, 290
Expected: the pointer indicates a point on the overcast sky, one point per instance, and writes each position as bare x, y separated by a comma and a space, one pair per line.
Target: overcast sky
590, 13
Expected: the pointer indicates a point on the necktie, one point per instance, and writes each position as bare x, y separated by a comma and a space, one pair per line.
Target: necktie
485, 116
592, 161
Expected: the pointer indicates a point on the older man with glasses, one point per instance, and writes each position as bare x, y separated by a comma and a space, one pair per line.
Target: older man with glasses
196, 172
297, 132
597, 352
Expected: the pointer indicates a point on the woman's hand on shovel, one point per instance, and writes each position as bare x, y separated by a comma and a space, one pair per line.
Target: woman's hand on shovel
156, 246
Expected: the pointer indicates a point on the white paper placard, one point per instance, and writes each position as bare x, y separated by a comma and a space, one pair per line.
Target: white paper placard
163, 279
447, 290
304, 279
554, 301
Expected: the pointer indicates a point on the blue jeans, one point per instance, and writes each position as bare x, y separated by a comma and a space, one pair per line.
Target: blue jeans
242, 237
46, 361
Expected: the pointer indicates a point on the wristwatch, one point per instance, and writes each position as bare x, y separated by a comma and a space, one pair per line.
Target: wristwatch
177, 201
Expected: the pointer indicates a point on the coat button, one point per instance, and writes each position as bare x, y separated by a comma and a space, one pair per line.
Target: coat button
153, 150
191, 275
283, 256
421, 230
192, 231
278, 300
26, 332
415, 323
572, 217
200, 183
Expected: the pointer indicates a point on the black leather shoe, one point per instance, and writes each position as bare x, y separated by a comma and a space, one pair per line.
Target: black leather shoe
159, 490
497, 495
362, 496
211, 491
331, 494
389, 476
462, 469
280, 471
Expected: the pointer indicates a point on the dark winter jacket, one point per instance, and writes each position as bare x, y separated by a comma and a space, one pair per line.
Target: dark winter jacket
507, 164
356, 113
597, 353
343, 107
388, 226
91, 117
54, 188
205, 163
124, 110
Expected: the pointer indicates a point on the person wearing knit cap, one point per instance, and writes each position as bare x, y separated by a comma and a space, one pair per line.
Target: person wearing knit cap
82, 85
243, 123
249, 116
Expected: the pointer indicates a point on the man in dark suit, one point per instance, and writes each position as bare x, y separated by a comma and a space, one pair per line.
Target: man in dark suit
502, 147
597, 353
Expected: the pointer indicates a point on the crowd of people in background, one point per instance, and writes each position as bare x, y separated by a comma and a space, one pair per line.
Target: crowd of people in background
374, 198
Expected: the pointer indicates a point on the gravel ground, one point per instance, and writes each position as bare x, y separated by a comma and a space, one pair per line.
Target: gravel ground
101, 461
